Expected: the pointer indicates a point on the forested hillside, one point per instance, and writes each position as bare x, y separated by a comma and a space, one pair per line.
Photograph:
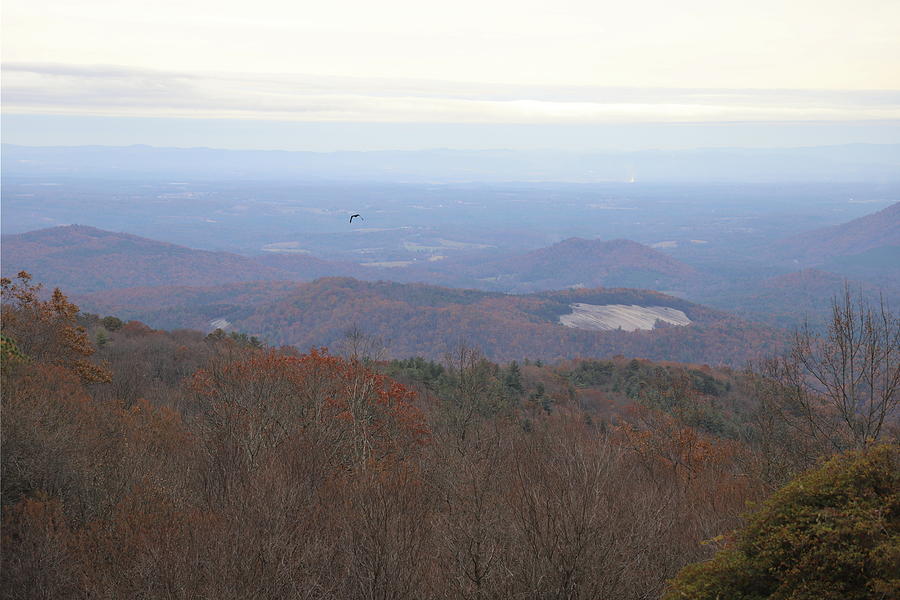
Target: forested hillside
470, 300
418, 319
797, 297
762, 284
590, 263
874, 231
147, 463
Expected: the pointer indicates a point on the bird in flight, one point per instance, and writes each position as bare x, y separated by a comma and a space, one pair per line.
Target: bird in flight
354, 216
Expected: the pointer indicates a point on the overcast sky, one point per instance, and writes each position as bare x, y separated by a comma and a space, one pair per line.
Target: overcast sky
184, 72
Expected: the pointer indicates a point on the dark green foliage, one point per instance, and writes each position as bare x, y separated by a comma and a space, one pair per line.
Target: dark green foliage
101, 338
551, 310
832, 533
539, 396
416, 369
112, 323
678, 393
504, 382
693, 396
246, 340
592, 372
512, 379
636, 374
10, 353
241, 339
707, 384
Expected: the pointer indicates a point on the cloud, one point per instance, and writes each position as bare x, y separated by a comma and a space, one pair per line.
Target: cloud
49, 88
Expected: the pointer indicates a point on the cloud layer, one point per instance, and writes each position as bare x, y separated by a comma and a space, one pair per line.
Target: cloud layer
47, 88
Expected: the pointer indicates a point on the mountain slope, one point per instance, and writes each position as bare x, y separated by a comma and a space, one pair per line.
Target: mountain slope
419, 319
307, 268
879, 230
578, 262
78, 258
794, 298
83, 259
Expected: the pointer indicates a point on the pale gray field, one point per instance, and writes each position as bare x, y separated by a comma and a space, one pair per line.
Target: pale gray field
620, 316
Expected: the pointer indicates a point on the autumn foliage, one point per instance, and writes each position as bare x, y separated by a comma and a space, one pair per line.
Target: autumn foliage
269, 473
430, 321
267, 453
269, 400
46, 329
207, 466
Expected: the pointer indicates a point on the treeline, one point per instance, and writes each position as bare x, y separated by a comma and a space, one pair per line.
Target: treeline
181, 465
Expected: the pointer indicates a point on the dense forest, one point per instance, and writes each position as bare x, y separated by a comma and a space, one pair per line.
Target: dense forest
428, 320
142, 463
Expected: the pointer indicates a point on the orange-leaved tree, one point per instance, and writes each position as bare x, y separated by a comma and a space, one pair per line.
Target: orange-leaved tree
46, 331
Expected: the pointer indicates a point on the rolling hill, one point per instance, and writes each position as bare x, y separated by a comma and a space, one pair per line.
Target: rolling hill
865, 250
419, 319
793, 298
85, 259
82, 259
864, 238
585, 263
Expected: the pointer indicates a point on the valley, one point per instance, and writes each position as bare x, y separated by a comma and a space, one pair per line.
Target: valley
757, 274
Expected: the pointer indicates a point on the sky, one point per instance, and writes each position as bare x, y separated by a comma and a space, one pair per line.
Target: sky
408, 74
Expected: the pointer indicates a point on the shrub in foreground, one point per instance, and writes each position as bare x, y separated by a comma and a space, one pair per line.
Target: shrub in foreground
832, 533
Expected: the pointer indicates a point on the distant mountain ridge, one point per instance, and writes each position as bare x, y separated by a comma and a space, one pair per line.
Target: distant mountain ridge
172, 286
83, 259
143, 277
867, 233
579, 262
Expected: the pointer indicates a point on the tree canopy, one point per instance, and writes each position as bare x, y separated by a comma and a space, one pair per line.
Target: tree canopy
832, 533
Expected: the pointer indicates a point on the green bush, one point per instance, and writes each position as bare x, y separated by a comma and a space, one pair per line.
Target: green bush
832, 533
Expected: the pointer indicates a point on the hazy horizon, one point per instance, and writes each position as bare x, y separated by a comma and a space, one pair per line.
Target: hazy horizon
409, 75
62, 130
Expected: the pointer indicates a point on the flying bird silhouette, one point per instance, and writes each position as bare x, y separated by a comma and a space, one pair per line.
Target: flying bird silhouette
353, 216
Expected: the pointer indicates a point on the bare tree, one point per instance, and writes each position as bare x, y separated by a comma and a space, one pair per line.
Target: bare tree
474, 393
838, 389
358, 346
